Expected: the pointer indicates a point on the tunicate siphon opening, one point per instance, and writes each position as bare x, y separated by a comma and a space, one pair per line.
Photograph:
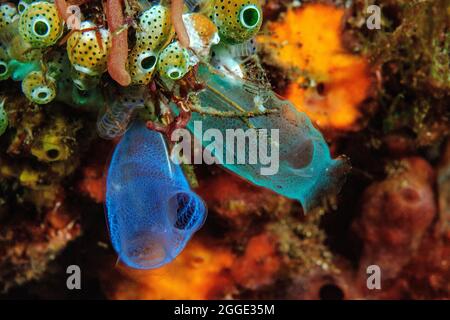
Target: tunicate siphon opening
148, 62
185, 210
320, 88
174, 75
21, 7
41, 28
42, 95
52, 154
3, 68
250, 16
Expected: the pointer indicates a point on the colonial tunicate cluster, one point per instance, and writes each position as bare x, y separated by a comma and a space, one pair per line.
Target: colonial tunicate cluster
157, 66
33, 29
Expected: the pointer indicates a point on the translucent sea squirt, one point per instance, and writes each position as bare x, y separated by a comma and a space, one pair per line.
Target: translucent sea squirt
306, 170
152, 212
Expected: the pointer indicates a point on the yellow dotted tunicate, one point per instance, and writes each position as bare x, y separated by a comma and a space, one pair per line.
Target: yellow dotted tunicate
4, 59
40, 24
237, 20
51, 147
155, 29
38, 88
8, 23
8, 14
174, 61
141, 65
88, 49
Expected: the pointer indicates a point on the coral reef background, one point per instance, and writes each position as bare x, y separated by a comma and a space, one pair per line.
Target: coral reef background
382, 97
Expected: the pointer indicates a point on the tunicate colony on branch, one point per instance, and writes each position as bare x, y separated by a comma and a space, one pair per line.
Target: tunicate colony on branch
185, 61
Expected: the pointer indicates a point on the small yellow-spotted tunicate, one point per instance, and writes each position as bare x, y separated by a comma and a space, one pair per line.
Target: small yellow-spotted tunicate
38, 88
237, 20
4, 70
8, 14
51, 147
8, 22
4, 59
174, 61
154, 29
86, 53
153, 33
40, 24
141, 65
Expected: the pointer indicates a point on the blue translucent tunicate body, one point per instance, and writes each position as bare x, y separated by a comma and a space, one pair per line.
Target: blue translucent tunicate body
152, 212
306, 169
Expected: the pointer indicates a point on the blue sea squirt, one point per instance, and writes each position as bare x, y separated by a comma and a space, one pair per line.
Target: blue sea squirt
306, 169
152, 212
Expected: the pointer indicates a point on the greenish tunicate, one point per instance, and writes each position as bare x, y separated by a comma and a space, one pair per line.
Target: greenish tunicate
19, 70
38, 88
3, 118
237, 20
174, 61
4, 60
8, 21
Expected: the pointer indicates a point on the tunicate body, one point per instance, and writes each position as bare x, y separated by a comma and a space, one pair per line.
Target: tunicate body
151, 210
